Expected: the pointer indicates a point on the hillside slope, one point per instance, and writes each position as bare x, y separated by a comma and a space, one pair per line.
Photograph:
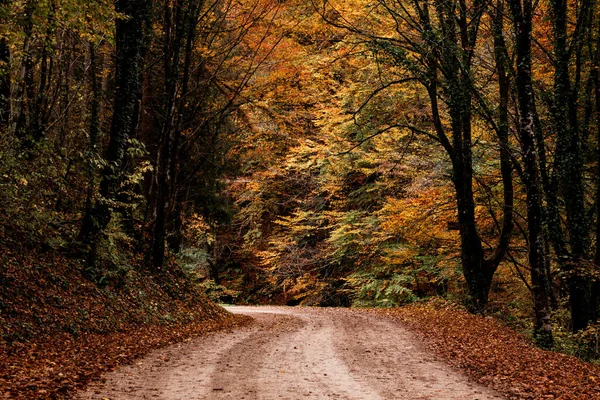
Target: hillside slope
59, 330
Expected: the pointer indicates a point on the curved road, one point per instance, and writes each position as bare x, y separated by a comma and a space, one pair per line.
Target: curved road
294, 353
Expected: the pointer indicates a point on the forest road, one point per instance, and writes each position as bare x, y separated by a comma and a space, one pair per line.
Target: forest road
294, 353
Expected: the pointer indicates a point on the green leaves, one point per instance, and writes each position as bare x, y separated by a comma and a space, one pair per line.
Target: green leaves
381, 287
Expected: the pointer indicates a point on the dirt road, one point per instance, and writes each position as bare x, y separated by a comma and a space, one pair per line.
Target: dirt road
294, 353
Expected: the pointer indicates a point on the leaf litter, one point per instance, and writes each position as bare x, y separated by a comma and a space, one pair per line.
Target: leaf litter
497, 356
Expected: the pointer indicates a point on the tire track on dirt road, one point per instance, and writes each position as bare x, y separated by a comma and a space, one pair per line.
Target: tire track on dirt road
294, 353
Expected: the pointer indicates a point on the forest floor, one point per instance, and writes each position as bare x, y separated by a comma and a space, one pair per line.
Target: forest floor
294, 353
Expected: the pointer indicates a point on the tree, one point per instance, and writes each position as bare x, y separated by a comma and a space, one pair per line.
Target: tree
571, 128
435, 46
5, 81
131, 42
180, 23
522, 12
210, 53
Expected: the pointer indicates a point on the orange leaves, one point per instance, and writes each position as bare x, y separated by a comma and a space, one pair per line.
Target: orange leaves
421, 217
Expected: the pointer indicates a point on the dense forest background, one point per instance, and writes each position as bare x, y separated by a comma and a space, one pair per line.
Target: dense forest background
365, 153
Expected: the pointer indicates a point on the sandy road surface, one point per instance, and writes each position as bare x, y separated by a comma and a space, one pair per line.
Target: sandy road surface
294, 353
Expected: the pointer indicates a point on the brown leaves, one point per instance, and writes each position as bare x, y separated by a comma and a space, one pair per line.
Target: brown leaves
54, 367
59, 331
498, 356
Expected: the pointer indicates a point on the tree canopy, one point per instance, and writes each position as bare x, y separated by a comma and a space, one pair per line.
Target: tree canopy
325, 152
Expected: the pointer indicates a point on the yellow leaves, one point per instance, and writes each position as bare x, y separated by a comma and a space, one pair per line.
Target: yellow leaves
399, 255
198, 230
420, 218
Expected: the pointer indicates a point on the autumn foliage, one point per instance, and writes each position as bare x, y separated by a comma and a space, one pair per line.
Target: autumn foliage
332, 153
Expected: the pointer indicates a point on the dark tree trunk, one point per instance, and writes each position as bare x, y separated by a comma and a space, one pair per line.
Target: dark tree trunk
522, 14
506, 167
175, 239
214, 263
92, 152
478, 277
551, 211
448, 66
172, 48
569, 160
26, 89
175, 215
459, 36
5, 84
131, 41
39, 100
180, 25
596, 284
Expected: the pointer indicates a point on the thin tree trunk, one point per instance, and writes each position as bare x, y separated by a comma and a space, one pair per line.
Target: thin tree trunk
175, 214
39, 118
26, 90
506, 166
180, 29
5, 82
172, 15
215, 256
596, 284
92, 153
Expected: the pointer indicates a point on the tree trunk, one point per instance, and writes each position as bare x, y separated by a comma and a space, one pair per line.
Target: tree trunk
4, 78
214, 265
453, 59
506, 166
569, 160
596, 284
479, 278
522, 14
92, 153
39, 101
131, 41
26, 90
172, 48
180, 24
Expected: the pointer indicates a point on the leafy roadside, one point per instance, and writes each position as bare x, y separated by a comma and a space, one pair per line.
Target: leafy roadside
498, 356
59, 330
56, 367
